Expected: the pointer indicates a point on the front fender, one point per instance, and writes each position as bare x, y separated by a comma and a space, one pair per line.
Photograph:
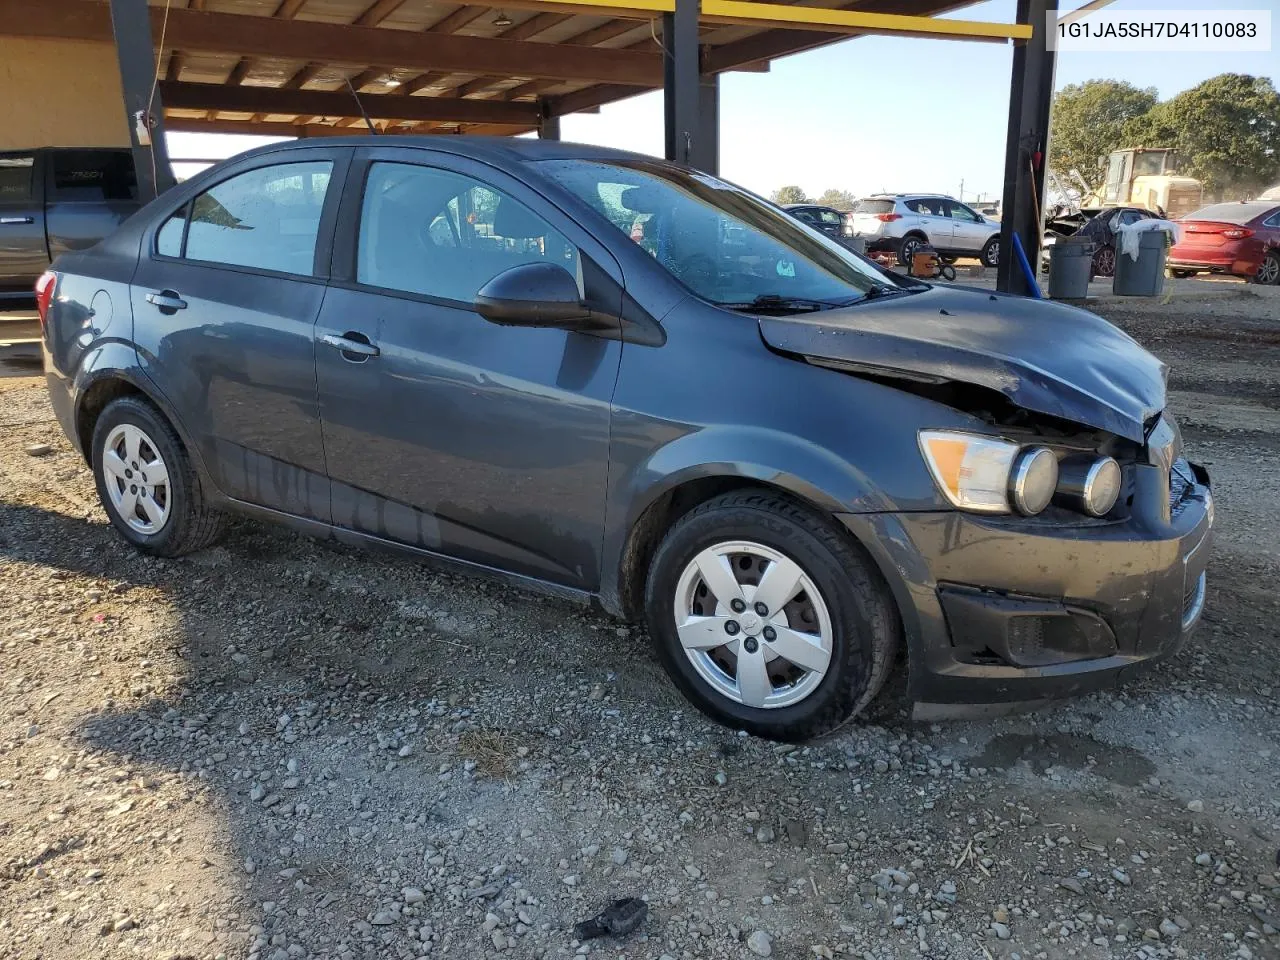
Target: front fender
805, 470
801, 467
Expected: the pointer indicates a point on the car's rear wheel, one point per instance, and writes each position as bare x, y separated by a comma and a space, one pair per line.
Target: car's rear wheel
991, 252
768, 618
1269, 269
908, 247
146, 482
1104, 261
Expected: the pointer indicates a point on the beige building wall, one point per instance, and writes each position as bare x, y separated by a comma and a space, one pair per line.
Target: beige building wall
60, 93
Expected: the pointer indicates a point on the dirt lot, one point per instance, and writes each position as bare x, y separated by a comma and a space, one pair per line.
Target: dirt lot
278, 748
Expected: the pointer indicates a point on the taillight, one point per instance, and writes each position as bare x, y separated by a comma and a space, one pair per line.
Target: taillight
45, 288
1237, 233
888, 217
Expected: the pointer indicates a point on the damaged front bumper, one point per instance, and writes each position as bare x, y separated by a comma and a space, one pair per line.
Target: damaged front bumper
1014, 610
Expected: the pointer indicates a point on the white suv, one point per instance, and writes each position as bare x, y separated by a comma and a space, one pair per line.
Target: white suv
903, 222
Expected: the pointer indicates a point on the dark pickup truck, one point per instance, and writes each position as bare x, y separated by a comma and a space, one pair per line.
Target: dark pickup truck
58, 199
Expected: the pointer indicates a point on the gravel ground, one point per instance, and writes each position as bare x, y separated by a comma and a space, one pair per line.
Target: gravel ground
279, 748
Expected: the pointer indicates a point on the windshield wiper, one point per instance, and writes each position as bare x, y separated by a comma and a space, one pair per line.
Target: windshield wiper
875, 292
776, 302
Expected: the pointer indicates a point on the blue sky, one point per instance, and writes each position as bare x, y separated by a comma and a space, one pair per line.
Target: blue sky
879, 113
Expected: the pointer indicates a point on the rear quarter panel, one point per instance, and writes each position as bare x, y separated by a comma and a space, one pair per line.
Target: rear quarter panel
89, 330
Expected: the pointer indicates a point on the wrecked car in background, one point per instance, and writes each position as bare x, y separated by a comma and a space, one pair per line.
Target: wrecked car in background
794, 466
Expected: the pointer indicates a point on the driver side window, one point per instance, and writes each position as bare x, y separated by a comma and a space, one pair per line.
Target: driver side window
428, 231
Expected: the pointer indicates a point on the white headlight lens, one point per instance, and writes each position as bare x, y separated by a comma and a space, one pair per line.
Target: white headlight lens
1102, 487
971, 471
1034, 477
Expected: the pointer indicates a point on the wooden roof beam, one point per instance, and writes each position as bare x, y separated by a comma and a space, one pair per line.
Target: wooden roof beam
329, 43
338, 103
177, 59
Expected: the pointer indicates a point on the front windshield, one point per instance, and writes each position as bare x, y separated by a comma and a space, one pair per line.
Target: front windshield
723, 243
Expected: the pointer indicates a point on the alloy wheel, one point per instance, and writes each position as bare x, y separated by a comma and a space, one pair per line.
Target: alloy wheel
753, 624
1269, 270
137, 479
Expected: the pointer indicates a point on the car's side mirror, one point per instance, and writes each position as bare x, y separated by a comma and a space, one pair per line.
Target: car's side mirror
535, 295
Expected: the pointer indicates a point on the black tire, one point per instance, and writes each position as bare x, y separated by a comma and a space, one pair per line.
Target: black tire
990, 255
908, 246
190, 524
865, 626
947, 258
1269, 270
947, 272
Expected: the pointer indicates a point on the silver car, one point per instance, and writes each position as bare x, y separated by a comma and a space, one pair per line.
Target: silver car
904, 222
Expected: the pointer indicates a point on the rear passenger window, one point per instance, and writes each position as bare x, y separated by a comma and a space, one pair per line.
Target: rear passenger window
440, 234
267, 218
92, 176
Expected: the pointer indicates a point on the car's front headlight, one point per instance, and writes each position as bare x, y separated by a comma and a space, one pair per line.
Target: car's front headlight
989, 475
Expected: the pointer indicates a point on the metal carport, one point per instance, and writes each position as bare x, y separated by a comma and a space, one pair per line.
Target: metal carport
426, 66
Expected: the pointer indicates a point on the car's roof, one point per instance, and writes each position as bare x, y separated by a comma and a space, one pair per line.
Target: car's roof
905, 196
501, 149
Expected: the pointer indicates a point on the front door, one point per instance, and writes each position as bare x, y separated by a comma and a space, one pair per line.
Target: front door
23, 253
225, 301
443, 431
969, 230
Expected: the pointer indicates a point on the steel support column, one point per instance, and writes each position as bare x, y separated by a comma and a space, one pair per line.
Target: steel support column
144, 113
680, 80
548, 125
706, 144
1026, 146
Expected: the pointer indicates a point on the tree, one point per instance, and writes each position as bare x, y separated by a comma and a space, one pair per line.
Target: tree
1090, 120
789, 194
1226, 132
841, 200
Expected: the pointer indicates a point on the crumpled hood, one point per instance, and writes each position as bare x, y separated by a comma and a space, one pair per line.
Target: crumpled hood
1044, 356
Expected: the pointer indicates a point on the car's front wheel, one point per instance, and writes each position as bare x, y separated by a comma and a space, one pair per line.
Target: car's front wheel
991, 252
146, 482
768, 618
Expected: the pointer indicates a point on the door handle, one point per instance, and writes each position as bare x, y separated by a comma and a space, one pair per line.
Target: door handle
348, 344
166, 300
17, 220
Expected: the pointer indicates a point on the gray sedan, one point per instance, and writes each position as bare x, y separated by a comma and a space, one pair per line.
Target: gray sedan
628, 383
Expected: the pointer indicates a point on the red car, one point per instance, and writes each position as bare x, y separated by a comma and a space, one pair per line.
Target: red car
1237, 238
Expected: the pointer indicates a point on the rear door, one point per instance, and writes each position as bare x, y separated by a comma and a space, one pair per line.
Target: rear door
442, 430
932, 218
23, 254
88, 193
225, 301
